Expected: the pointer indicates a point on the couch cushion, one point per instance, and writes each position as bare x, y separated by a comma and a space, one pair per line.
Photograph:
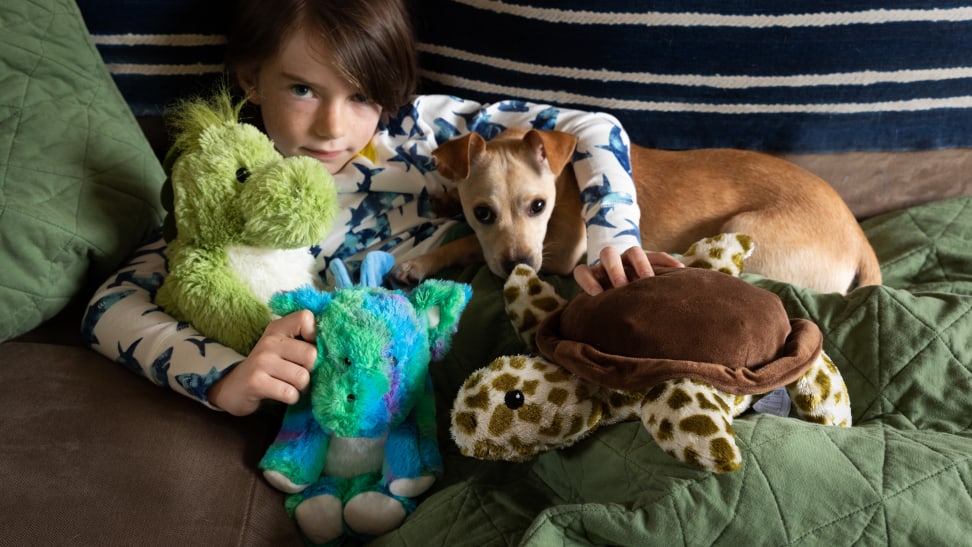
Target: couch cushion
92, 455
79, 184
798, 76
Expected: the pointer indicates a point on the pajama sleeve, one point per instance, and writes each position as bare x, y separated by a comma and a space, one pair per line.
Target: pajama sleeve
123, 323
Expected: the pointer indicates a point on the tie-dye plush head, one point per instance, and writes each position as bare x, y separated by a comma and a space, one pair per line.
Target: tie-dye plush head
374, 347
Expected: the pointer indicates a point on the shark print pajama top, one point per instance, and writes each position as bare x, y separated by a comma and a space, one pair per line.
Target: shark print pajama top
383, 195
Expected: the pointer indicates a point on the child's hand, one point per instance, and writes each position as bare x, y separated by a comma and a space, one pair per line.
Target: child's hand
277, 368
614, 270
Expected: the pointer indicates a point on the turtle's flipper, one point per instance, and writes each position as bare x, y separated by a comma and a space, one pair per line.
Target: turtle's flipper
692, 421
820, 395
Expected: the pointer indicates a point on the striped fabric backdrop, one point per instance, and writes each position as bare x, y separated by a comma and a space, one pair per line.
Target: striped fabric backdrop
159, 50
795, 75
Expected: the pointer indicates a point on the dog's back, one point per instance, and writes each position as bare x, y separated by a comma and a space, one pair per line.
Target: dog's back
804, 232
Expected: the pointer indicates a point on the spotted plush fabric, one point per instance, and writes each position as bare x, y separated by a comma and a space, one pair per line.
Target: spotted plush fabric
523, 405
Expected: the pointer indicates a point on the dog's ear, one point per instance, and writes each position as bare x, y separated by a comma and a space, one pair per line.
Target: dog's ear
554, 146
452, 159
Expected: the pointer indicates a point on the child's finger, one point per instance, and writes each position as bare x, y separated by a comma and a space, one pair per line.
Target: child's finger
584, 276
636, 260
613, 267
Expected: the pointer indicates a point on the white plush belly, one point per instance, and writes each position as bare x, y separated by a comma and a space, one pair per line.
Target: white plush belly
268, 271
351, 456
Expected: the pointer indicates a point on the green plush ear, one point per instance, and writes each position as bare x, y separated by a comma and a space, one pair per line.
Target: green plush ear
442, 303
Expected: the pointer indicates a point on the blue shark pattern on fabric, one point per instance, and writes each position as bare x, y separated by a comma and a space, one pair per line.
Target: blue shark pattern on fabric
396, 123
94, 313
444, 131
412, 158
546, 119
126, 358
619, 148
602, 200
201, 343
160, 368
197, 385
384, 201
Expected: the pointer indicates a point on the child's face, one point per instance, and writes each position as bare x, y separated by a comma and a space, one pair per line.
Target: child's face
308, 107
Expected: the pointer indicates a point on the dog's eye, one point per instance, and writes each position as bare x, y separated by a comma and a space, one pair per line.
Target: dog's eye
537, 206
484, 214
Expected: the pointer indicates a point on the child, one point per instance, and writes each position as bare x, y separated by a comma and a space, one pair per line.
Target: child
326, 74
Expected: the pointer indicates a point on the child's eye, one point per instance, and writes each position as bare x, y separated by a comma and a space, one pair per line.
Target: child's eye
360, 98
300, 90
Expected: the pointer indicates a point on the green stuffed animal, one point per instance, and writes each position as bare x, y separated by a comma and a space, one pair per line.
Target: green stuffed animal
244, 219
361, 444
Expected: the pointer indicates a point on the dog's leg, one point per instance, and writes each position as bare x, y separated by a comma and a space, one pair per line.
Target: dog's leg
460, 252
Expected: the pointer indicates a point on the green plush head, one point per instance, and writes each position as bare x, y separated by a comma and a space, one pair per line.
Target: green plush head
231, 186
243, 217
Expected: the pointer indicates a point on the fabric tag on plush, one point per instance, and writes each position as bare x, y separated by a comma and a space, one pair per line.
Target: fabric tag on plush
776, 402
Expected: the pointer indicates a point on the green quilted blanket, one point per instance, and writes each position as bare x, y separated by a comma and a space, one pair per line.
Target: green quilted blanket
901, 475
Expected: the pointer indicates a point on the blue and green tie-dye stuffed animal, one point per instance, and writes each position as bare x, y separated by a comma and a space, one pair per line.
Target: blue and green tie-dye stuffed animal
361, 443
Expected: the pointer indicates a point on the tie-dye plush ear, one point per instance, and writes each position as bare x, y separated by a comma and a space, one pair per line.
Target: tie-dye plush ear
303, 298
441, 303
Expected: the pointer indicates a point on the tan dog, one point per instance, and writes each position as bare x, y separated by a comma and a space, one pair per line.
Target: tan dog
521, 199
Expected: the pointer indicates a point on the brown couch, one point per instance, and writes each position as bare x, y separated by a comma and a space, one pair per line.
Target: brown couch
92, 455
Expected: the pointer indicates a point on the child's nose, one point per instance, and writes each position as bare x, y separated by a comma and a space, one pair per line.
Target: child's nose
330, 120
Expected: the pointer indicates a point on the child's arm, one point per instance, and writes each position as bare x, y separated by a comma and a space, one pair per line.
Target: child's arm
601, 164
124, 324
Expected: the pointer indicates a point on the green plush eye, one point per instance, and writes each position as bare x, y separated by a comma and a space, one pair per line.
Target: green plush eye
242, 174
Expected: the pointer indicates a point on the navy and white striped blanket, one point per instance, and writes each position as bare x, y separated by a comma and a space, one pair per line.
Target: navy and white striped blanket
799, 76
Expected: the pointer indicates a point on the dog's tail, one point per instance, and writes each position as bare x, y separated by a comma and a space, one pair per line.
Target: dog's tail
868, 269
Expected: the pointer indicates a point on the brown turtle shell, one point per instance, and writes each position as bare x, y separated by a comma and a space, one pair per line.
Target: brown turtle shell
681, 323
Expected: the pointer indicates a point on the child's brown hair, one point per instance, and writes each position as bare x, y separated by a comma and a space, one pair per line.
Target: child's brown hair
371, 41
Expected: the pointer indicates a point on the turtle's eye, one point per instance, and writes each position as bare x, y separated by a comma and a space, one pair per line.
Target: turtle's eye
242, 174
514, 399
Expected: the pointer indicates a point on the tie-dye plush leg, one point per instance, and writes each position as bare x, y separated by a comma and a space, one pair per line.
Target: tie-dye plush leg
692, 421
371, 510
318, 510
529, 300
412, 458
296, 457
820, 395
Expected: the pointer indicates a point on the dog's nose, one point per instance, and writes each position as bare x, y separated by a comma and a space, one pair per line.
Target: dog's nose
512, 263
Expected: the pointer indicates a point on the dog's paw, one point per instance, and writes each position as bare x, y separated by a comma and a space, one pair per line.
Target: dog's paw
408, 273
446, 204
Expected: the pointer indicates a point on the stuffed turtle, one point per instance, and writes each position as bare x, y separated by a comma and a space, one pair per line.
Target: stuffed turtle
684, 351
